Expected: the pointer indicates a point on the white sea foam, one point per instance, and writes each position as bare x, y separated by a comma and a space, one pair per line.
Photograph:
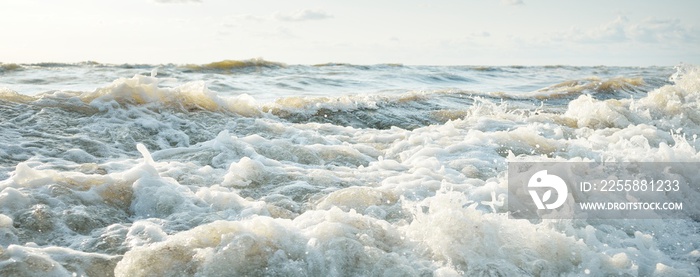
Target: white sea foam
142, 179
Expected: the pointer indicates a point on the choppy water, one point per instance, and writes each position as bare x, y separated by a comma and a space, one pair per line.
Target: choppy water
259, 168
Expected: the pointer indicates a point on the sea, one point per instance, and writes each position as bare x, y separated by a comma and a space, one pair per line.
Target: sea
261, 168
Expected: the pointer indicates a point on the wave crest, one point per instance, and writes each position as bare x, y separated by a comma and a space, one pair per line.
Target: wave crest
592, 85
13, 96
229, 65
144, 90
141, 91
4, 67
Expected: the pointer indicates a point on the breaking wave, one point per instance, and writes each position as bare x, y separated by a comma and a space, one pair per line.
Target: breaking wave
147, 176
227, 66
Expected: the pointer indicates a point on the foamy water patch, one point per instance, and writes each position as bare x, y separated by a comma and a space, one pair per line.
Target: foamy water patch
144, 90
143, 186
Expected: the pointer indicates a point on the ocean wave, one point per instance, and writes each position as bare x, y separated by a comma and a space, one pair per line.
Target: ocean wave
5, 67
405, 109
14, 97
596, 85
227, 66
164, 178
673, 108
408, 110
359, 66
144, 90
618, 87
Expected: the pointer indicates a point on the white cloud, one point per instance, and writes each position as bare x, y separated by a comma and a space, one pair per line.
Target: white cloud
512, 2
482, 34
238, 19
254, 26
621, 29
304, 15
661, 30
611, 31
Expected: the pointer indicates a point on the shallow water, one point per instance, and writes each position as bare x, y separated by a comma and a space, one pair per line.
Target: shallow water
261, 168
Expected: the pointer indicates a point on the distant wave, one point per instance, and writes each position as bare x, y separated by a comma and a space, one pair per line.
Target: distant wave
228, 65
409, 110
379, 109
592, 85
9, 67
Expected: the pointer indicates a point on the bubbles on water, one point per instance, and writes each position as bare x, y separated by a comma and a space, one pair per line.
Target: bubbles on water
147, 179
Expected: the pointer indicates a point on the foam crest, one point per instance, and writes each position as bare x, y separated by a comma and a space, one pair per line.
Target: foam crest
13, 96
407, 110
666, 108
316, 243
477, 244
144, 90
677, 102
592, 113
324, 106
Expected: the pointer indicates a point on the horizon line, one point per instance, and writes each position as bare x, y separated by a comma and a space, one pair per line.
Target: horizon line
261, 62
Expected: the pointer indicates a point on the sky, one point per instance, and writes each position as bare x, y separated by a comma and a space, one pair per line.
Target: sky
412, 32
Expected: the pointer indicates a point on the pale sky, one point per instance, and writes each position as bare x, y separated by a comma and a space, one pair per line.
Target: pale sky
438, 32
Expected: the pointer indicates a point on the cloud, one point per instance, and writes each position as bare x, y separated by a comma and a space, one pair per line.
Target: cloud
275, 33
661, 30
611, 31
254, 26
621, 29
238, 19
482, 34
304, 15
177, 1
512, 2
